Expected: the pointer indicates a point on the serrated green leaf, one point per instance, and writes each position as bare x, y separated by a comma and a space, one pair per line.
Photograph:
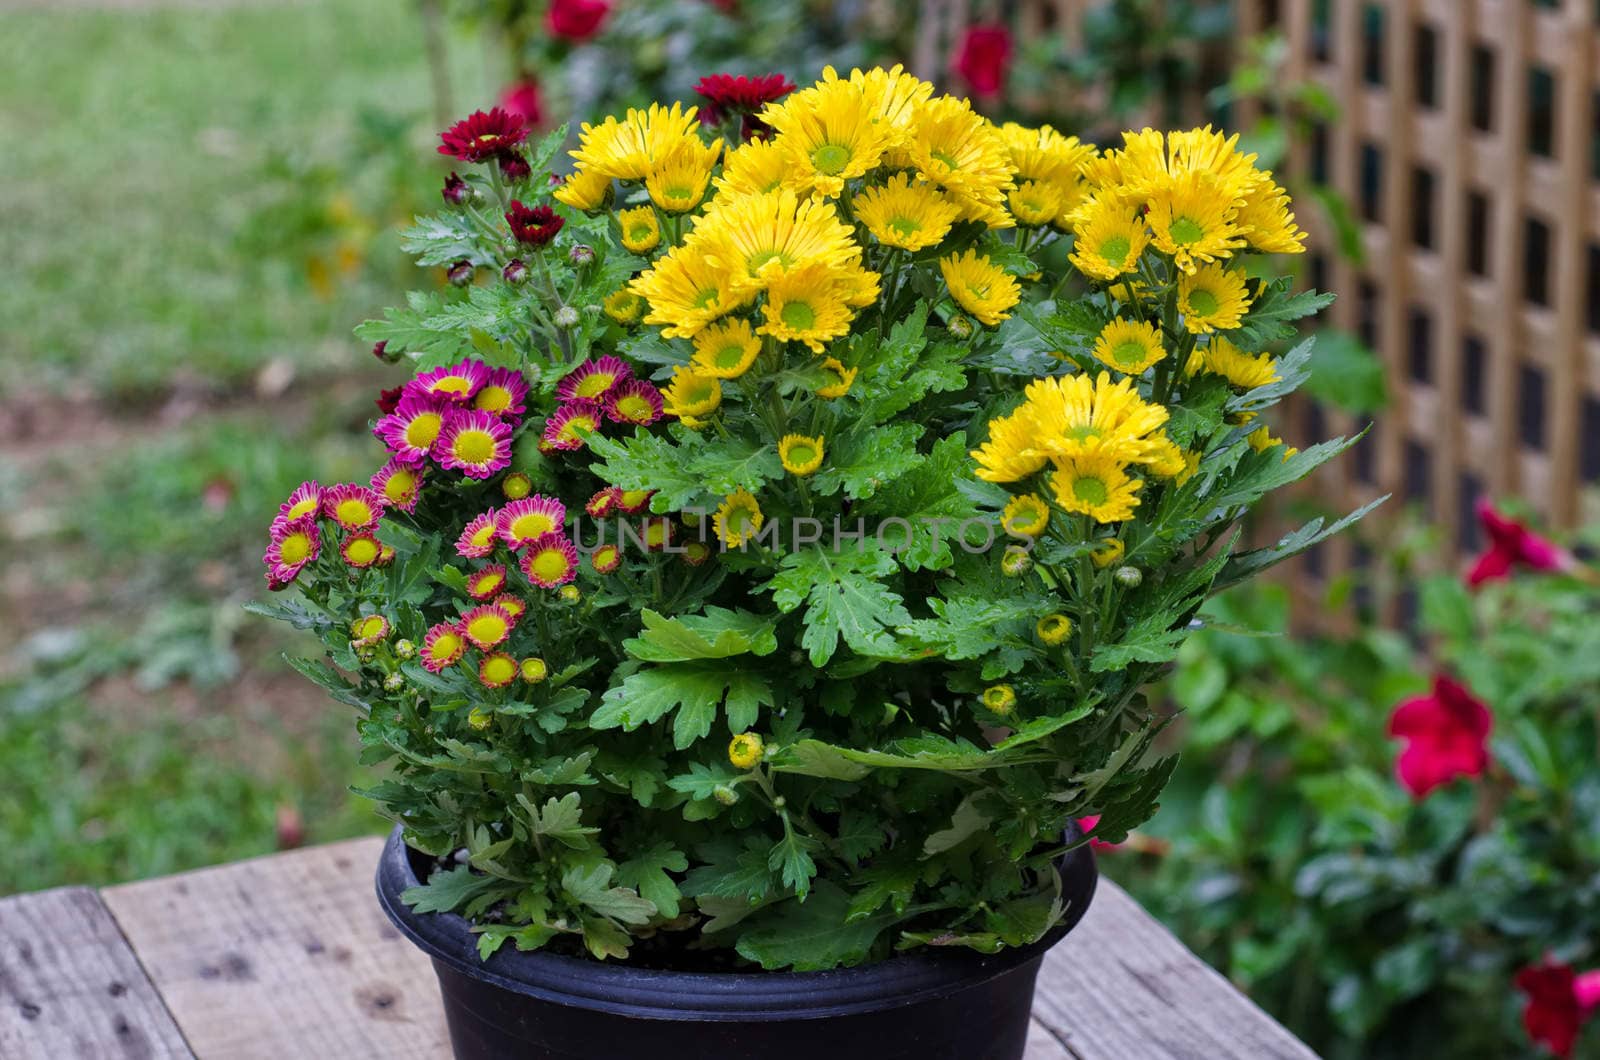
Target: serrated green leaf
717, 633
694, 690
813, 935
646, 872
844, 600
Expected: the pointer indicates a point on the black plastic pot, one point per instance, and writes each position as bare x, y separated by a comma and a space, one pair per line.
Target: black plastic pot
926, 1004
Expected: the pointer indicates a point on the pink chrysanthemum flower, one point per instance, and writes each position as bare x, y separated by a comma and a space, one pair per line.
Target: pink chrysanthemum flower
412, 428
477, 540
399, 482
605, 559
442, 645
551, 561
368, 630
497, 670
604, 503
567, 426
657, 534
353, 506
293, 545
632, 502
484, 585
513, 606
475, 443
593, 379
479, 137
459, 383
504, 393
360, 550
305, 500
486, 625
634, 401
532, 517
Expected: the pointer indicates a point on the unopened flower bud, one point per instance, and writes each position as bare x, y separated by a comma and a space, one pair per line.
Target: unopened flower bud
1015, 561
393, 683
479, 718
515, 272
460, 273
780, 802
514, 166
566, 317
404, 649
570, 594
960, 327
580, 254
724, 794
456, 191
533, 669
380, 350
516, 486
1132, 577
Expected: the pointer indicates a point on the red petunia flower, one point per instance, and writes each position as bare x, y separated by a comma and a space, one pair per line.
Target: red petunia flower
1586, 987
727, 95
521, 99
576, 20
1087, 824
1553, 1014
479, 137
984, 59
1512, 544
1446, 734
536, 226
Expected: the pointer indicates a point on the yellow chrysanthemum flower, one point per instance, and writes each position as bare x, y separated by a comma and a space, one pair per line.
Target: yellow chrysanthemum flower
690, 393
1243, 370
892, 96
959, 149
1026, 515
805, 305
1168, 461
755, 238
906, 215
641, 232
1191, 464
979, 286
1053, 629
841, 378
1108, 239
1096, 486
738, 518
1266, 221
630, 148
1129, 346
1190, 219
1212, 299
1001, 699
1036, 203
726, 350
686, 291
745, 750
1149, 160
1108, 552
801, 456
678, 183
623, 306
1044, 154
1261, 439
756, 168
1069, 417
829, 134
586, 190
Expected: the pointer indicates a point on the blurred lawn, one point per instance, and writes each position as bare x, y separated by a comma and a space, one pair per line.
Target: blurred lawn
200, 204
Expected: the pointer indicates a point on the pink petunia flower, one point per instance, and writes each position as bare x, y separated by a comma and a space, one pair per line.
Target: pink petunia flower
1446, 734
521, 98
576, 20
984, 59
1554, 1011
1510, 545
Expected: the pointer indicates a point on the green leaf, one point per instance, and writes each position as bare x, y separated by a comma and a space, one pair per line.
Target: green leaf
651, 461
844, 600
1149, 640
726, 465
1272, 313
1243, 565
1260, 473
791, 858
450, 890
560, 819
589, 885
646, 872
718, 633
813, 935
694, 690
928, 497
967, 822
443, 239
863, 460
731, 869
329, 679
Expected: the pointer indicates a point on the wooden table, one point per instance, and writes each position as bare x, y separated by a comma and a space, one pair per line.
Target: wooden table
289, 956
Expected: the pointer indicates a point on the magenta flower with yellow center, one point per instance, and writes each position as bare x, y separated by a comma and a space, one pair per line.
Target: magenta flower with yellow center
550, 561
593, 379
292, 546
514, 606
399, 483
634, 401
486, 625
478, 538
412, 428
360, 550
484, 585
305, 500
368, 630
569, 424
475, 443
503, 393
353, 506
459, 383
605, 559
497, 670
635, 501
604, 502
442, 645
521, 522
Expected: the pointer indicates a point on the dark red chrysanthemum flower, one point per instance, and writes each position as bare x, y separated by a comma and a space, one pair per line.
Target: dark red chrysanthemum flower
479, 137
1553, 1014
536, 226
455, 190
521, 99
727, 95
514, 166
984, 59
576, 20
389, 400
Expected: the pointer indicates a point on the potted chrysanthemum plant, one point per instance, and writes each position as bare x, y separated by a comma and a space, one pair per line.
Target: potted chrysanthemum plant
773, 543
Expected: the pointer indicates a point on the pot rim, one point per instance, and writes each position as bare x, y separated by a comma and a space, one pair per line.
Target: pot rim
657, 993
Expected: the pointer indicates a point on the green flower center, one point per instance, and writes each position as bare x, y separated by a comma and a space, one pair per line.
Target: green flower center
1186, 230
800, 455
634, 407
592, 386
760, 258
947, 159
706, 297
641, 233
830, 158
1115, 250
905, 227
798, 315
1089, 490
1082, 433
1202, 302
1129, 353
729, 356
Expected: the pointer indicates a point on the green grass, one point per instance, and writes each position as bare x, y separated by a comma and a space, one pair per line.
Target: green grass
171, 175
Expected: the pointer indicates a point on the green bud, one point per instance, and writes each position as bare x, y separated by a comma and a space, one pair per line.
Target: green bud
404, 649
959, 327
1131, 577
724, 794
393, 683
566, 317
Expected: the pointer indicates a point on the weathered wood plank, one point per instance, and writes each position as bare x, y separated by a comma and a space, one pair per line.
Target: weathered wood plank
1042, 1044
70, 986
284, 956
1122, 987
